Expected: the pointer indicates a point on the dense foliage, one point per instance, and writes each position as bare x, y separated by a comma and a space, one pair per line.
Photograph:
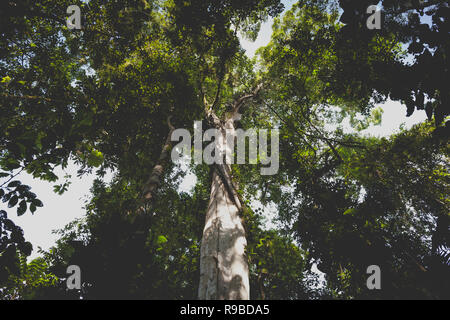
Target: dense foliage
106, 96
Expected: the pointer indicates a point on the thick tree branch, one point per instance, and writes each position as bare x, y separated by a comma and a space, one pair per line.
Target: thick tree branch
216, 99
153, 182
239, 102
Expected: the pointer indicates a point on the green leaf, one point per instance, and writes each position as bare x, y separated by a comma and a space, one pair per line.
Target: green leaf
13, 201
27, 248
350, 211
6, 79
161, 240
12, 164
6, 197
37, 203
95, 158
22, 208
13, 184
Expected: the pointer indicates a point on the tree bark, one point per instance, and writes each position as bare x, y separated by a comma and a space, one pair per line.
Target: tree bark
224, 273
154, 180
223, 263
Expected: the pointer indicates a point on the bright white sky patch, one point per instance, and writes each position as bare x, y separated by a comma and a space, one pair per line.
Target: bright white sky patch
58, 210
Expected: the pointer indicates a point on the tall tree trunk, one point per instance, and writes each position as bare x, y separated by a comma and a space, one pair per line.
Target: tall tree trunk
223, 263
224, 273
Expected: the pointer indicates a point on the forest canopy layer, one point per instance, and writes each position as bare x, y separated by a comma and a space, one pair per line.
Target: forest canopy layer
108, 96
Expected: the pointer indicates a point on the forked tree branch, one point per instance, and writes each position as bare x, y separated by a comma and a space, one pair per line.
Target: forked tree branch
240, 102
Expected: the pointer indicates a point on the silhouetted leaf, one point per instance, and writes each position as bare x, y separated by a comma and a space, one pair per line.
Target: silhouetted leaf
13, 201
22, 208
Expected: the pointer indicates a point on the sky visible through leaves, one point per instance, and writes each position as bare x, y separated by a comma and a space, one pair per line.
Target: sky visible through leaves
59, 210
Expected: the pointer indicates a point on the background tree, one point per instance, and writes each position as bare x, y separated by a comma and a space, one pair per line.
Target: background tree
380, 221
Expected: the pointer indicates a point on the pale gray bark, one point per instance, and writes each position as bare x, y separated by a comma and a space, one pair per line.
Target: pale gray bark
224, 271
